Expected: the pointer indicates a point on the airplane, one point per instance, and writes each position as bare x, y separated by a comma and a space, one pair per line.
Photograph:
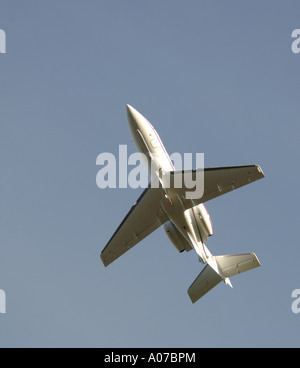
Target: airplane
185, 220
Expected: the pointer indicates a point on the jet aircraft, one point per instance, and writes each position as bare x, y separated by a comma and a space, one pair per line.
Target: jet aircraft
184, 218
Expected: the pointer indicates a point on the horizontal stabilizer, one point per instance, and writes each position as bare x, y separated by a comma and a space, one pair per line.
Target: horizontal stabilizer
231, 265
228, 266
207, 279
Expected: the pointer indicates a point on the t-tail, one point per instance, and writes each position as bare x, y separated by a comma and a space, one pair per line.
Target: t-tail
220, 268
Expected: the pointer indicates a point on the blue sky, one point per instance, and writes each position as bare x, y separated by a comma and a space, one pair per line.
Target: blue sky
213, 77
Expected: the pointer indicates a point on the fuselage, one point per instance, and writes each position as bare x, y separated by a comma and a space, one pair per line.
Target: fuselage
147, 140
188, 228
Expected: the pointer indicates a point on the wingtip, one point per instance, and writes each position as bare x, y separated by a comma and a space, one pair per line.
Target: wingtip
103, 260
192, 298
259, 169
256, 260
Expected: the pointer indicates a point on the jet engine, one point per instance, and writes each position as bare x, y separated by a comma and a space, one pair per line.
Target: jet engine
176, 237
199, 221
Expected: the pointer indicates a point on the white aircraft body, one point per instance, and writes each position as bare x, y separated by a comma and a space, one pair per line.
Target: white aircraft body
186, 221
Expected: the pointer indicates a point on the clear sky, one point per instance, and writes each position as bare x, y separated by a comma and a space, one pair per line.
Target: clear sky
211, 76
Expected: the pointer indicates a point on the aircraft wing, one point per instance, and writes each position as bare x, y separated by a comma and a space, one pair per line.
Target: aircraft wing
144, 217
217, 181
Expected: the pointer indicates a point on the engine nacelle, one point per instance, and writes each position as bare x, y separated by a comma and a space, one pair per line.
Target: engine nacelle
176, 237
199, 222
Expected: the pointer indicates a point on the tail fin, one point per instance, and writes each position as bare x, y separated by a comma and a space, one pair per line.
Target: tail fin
220, 269
231, 265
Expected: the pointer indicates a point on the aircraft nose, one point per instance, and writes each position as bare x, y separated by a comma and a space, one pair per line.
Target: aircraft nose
132, 116
136, 120
130, 113
129, 108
